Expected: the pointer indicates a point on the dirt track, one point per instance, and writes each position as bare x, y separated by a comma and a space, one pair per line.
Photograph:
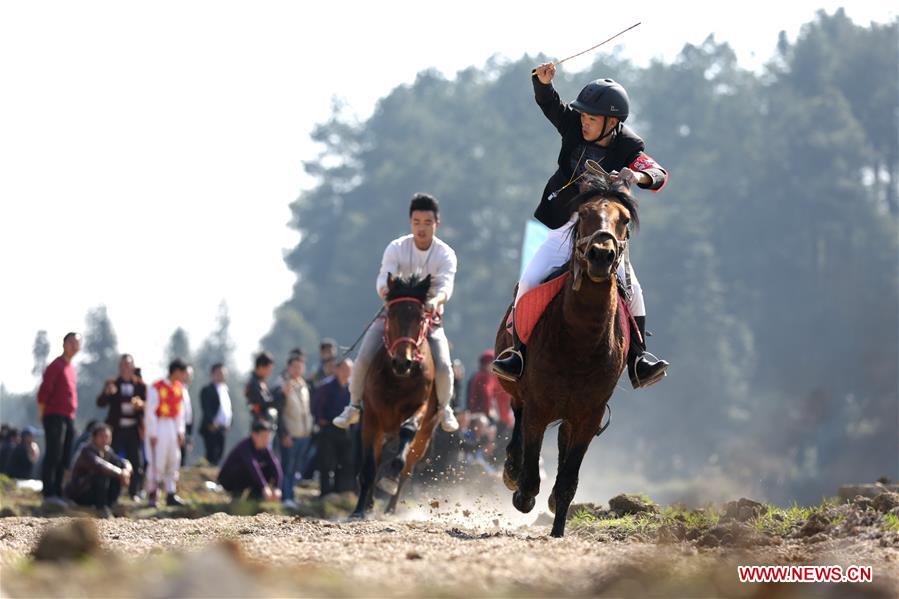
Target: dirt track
271, 555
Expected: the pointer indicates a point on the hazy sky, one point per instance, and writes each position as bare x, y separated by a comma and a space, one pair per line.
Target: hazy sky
148, 152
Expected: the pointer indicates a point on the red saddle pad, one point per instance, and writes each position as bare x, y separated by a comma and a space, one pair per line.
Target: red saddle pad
533, 303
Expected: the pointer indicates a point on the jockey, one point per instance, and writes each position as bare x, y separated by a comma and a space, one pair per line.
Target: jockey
420, 253
592, 128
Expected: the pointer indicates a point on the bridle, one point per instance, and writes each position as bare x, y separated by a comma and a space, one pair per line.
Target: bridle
582, 246
427, 321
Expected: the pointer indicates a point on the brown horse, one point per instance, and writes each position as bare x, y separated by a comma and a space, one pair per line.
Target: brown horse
400, 399
576, 353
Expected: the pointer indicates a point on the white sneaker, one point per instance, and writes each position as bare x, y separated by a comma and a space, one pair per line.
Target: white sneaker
448, 420
348, 417
290, 504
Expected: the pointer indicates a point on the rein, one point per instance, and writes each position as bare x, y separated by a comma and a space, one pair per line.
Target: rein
425, 325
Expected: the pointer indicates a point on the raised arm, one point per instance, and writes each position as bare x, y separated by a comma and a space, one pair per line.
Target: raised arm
557, 112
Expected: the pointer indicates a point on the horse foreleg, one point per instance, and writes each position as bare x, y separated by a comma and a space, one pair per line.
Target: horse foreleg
512, 467
391, 505
371, 458
566, 481
563, 438
417, 449
529, 478
389, 480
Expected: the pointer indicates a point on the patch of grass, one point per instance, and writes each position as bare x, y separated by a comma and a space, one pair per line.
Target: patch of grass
891, 522
6, 484
702, 519
782, 521
644, 497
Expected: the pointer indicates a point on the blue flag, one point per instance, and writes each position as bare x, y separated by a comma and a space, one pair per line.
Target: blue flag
534, 235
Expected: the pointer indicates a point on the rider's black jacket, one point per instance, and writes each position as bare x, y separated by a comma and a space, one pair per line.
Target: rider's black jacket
626, 150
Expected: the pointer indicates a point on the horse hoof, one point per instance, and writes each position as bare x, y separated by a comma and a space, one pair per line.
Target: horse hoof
551, 503
523, 503
557, 533
357, 515
389, 485
510, 482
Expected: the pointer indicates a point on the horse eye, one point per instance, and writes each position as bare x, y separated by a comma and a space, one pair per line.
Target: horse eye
625, 221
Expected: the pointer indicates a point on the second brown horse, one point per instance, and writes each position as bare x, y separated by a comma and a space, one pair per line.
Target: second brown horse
576, 353
400, 398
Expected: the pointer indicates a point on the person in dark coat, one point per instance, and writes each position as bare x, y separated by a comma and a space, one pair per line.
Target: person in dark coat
8, 442
24, 456
336, 464
259, 398
215, 403
125, 396
252, 466
592, 130
98, 474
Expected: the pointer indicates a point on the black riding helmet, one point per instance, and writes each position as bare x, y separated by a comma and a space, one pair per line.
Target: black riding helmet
603, 97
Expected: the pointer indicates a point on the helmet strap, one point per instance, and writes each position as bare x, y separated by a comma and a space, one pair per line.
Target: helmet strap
605, 134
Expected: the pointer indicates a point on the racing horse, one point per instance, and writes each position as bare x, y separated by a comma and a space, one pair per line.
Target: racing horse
577, 349
399, 398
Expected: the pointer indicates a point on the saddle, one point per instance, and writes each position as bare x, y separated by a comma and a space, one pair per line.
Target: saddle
533, 304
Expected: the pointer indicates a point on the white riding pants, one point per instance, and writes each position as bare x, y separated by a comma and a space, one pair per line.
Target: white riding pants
555, 252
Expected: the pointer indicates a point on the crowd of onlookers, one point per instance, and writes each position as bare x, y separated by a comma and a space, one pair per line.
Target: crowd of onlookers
141, 446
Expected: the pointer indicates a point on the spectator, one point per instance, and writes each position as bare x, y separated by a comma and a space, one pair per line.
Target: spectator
259, 398
187, 445
98, 474
57, 400
167, 403
458, 399
9, 440
335, 445
24, 456
296, 424
83, 439
327, 358
126, 398
482, 387
215, 401
252, 466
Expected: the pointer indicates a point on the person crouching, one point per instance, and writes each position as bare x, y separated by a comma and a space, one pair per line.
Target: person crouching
98, 474
252, 466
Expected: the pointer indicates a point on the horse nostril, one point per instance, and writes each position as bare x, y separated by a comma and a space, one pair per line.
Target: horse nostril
601, 255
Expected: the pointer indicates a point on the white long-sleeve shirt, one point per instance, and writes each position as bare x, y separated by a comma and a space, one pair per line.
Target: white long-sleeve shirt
151, 420
402, 258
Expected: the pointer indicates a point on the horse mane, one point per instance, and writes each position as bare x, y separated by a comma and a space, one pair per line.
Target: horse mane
411, 286
592, 186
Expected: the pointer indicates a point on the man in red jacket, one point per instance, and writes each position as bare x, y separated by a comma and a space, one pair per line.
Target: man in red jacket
57, 401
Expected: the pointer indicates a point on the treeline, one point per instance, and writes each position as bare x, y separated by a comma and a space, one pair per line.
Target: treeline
769, 261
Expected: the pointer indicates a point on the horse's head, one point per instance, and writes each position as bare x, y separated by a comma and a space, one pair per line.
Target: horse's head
605, 208
406, 323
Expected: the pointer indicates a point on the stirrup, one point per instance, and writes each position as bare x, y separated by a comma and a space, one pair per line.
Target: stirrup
508, 353
635, 379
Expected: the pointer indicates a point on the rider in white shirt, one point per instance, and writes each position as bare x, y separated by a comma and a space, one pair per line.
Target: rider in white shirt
422, 254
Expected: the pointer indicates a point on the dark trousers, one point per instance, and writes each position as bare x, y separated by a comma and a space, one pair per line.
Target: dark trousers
291, 462
104, 492
336, 465
214, 442
59, 432
127, 444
